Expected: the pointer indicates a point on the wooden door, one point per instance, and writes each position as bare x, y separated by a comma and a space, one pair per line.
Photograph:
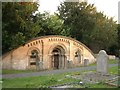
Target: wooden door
56, 61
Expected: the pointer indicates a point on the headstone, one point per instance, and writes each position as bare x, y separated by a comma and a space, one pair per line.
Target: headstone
69, 64
41, 65
86, 62
102, 62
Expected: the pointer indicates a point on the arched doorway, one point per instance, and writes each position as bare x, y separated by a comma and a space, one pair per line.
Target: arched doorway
58, 58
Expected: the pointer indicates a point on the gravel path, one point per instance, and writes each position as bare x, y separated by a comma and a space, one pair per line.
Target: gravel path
43, 73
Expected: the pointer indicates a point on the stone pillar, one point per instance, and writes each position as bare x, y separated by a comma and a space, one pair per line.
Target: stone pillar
82, 58
65, 62
102, 62
59, 59
53, 62
41, 65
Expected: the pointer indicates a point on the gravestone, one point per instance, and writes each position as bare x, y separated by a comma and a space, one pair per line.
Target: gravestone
102, 62
41, 65
69, 64
86, 62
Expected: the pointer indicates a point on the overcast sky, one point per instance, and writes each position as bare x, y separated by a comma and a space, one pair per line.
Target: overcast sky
109, 7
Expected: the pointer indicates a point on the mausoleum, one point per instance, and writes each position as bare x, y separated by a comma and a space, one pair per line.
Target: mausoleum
48, 52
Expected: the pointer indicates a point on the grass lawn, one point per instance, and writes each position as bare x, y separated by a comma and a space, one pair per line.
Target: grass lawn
38, 81
50, 80
27, 71
109, 62
112, 61
113, 70
16, 71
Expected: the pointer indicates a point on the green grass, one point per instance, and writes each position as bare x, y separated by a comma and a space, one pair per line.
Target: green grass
50, 80
109, 62
16, 71
39, 81
93, 64
112, 61
27, 71
113, 70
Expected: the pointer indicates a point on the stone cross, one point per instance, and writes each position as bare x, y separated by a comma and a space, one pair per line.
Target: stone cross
102, 62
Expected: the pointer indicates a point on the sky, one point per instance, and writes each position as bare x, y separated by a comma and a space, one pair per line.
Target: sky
109, 7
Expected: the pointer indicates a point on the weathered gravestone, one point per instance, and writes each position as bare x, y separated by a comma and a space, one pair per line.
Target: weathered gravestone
41, 65
102, 62
86, 62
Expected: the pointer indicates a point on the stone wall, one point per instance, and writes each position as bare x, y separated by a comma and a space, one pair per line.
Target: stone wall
112, 57
74, 52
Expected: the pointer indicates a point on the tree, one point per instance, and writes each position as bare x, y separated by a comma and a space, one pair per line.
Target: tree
50, 24
104, 34
118, 40
79, 17
87, 25
17, 24
78, 20
118, 34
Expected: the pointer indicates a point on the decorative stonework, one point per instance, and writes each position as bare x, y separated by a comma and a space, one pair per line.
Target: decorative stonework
78, 45
59, 39
52, 52
34, 43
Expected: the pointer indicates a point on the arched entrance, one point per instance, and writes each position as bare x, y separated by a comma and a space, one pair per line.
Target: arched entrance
58, 58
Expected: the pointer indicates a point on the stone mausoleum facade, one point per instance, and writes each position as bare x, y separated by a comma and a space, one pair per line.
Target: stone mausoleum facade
48, 52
